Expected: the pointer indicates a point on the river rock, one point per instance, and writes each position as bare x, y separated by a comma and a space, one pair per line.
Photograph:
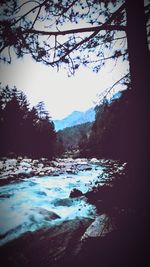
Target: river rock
94, 160
40, 165
11, 162
25, 164
35, 161
102, 226
63, 202
1, 165
75, 193
71, 171
41, 173
84, 167
81, 161
45, 247
48, 215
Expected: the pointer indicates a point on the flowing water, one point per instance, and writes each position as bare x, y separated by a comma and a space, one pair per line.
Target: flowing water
33, 203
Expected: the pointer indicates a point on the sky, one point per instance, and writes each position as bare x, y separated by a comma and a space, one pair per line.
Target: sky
61, 94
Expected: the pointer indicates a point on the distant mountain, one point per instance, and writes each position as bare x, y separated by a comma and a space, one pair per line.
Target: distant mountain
75, 118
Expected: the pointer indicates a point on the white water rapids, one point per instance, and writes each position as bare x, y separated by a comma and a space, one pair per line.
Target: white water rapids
33, 203
25, 205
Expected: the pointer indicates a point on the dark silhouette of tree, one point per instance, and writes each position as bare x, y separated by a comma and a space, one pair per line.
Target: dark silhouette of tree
24, 131
37, 28
45, 138
11, 124
21, 29
110, 137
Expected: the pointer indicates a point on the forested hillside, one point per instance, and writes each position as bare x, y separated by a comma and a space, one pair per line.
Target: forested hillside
71, 136
112, 132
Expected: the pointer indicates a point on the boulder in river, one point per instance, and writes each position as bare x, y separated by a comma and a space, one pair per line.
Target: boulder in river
48, 215
63, 202
75, 193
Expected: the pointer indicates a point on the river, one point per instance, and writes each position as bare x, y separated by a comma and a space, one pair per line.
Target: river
37, 202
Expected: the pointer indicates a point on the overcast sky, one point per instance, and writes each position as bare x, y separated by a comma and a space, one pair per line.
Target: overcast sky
61, 94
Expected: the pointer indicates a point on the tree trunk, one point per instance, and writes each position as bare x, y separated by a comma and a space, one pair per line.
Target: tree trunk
140, 82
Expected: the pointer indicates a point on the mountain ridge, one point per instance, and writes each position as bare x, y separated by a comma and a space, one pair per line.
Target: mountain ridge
75, 118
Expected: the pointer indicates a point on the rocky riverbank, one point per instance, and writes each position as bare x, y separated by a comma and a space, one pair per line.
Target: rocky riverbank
59, 245
81, 243
13, 169
19, 168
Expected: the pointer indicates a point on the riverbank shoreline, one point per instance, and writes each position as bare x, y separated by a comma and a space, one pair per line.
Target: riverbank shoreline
14, 169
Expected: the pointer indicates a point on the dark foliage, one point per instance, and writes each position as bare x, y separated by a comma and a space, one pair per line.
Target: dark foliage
59, 146
24, 131
113, 132
21, 29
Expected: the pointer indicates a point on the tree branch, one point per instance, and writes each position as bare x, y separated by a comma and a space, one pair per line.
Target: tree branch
67, 8
96, 29
27, 33
105, 26
36, 17
80, 30
107, 91
30, 1
27, 13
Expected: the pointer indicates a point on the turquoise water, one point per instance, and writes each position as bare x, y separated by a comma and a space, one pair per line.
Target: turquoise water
26, 205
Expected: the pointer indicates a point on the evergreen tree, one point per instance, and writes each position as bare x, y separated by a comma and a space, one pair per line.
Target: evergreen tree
24, 131
12, 121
